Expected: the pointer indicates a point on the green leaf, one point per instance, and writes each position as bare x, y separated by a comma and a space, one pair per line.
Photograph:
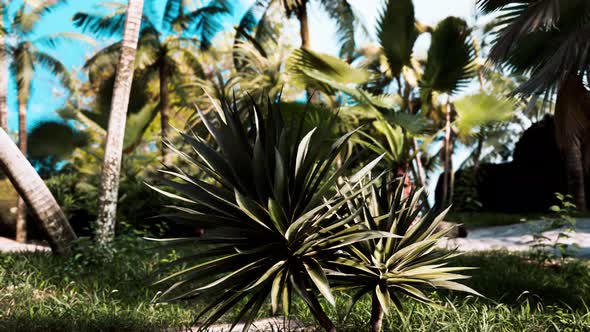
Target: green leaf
383, 298
318, 277
397, 34
451, 58
251, 209
302, 150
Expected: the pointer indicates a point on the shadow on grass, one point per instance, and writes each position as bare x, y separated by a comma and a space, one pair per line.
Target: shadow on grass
511, 278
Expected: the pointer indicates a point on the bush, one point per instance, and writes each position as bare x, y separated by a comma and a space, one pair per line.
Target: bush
276, 221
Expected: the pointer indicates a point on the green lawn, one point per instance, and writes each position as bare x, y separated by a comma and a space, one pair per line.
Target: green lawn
45, 293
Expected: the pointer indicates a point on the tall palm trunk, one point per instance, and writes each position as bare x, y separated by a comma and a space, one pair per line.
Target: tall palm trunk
109, 185
3, 79
572, 124
21, 212
305, 41
447, 160
34, 192
303, 25
164, 110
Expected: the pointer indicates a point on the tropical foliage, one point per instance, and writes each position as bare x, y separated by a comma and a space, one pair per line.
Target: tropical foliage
271, 220
289, 178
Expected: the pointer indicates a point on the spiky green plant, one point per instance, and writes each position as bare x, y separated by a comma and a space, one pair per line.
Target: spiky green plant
404, 264
269, 218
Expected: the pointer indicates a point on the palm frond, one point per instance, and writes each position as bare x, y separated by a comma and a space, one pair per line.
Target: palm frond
206, 21
22, 68
397, 34
303, 63
55, 39
481, 109
490, 6
342, 13
451, 57
101, 25
522, 18
55, 67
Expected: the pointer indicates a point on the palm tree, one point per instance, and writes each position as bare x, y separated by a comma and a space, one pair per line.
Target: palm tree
34, 192
550, 42
109, 185
390, 85
338, 10
163, 45
26, 55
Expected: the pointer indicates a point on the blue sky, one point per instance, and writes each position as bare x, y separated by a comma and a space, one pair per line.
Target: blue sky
47, 96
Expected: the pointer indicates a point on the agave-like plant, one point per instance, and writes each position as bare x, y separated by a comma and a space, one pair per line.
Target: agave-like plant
269, 218
404, 264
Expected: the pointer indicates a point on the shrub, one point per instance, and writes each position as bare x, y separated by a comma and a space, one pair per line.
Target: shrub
279, 216
404, 264
269, 219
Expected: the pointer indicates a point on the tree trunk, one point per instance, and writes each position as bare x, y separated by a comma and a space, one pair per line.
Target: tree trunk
164, 110
376, 315
3, 81
305, 41
34, 192
447, 162
572, 124
21, 220
320, 315
575, 173
109, 185
303, 25
420, 170
21, 212
402, 173
477, 154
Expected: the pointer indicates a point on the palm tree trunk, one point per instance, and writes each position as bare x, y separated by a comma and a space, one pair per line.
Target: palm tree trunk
575, 173
164, 110
303, 25
571, 127
109, 185
305, 41
34, 192
376, 315
447, 162
21, 212
3, 81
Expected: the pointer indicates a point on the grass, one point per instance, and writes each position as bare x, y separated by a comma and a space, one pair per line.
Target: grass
82, 293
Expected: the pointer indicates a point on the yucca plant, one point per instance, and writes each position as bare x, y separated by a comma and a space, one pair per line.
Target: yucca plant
403, 264
268, 213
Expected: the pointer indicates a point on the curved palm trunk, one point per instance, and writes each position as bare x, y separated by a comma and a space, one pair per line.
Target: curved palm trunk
34, 192
21, 211
164, 111
109, 185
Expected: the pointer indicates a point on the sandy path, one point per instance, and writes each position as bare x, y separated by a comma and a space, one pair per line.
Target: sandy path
518, 237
